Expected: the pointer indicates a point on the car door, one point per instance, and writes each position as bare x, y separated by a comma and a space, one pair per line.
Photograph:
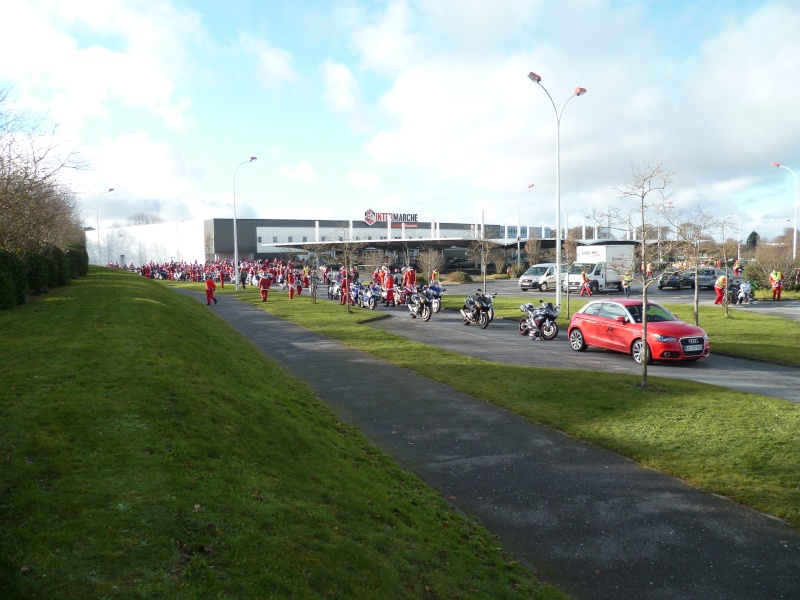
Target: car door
591, 324
615, 332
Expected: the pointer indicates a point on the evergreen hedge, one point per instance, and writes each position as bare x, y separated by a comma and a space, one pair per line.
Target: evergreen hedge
37, 273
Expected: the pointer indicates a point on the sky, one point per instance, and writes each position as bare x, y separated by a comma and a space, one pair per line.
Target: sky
412, 106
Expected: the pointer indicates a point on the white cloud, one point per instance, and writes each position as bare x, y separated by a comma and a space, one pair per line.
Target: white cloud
385, 40
362, 180
275, 66
302, 171
141, 64
341, 88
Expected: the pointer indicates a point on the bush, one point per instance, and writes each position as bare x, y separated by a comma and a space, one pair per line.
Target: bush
59, 271
14, 280
38, 268
517, 271
458, 277
77, 252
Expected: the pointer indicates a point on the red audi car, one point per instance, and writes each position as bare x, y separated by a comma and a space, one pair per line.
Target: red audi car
617, 325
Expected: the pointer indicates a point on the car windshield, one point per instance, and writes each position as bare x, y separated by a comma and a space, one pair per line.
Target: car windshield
576, 268
536, 271
655, 313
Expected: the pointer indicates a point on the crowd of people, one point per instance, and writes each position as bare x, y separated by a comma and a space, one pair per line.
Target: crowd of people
294, 277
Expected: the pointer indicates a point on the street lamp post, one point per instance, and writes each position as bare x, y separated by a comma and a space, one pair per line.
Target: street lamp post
579, 91
97, 217
519, 231
738, 236
794, 234
235, 237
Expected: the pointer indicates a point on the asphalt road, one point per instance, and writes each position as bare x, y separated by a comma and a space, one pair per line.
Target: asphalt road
501, 342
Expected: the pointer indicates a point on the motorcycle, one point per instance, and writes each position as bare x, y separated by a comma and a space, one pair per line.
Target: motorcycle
477, 309
334, 290
436, 292
540, 321
395, 296
419, 304
369, 296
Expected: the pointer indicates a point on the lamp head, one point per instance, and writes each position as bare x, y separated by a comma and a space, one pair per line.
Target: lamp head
110, 190
776, 164
534, 77
579, 91
530, 186
252, 158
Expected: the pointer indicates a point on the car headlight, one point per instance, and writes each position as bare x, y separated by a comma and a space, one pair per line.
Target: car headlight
664, 338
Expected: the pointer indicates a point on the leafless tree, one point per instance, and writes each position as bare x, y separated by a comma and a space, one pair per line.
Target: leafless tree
430, 259
479, 250
36, 209
647, 190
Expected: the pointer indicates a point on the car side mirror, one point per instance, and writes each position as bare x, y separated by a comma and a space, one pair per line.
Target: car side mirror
621, 319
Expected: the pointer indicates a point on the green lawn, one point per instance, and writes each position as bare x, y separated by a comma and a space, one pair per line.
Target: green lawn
151, 452
740, 445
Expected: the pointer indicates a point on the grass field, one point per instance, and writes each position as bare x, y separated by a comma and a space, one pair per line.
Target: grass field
150, 452
741, 445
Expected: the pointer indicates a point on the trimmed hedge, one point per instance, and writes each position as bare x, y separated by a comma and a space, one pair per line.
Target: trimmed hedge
37, 273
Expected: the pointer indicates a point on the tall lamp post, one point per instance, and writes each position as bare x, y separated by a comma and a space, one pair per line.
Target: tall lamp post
519, 232
794, 235
738, 236
579, 91
97, 217
235, 237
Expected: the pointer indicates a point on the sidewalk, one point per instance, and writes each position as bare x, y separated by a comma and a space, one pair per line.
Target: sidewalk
595, 524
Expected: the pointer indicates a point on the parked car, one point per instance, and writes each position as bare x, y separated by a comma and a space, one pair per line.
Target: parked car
617, 325
460, 263
541, 277
672, 279
706, 278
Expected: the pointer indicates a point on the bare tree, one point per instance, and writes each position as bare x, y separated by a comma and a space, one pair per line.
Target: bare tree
36, 209
479, 250
430, 259
647, 188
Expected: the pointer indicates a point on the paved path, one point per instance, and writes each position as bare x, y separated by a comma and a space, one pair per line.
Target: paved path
595, 524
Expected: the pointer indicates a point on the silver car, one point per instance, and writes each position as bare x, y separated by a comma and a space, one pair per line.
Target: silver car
706, 278
540, 277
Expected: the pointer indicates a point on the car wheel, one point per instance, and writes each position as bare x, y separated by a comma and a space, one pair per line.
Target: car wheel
594, 287
576, 340
661, 287
543, 287
637, 351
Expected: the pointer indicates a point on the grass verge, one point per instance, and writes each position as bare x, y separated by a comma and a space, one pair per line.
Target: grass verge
741, 445
148, 451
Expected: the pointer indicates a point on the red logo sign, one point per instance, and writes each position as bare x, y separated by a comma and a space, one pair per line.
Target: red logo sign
370, 217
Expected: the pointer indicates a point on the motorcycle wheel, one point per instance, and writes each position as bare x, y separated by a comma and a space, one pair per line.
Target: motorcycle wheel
524, 326
330, 295
491, 316
483, 320
549, 330
437, 305
426, 313
373, 303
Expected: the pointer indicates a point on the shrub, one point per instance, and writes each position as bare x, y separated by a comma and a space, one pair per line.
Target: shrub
77, 252
60, 275
458, 277
517, 271
38, 268
14, 280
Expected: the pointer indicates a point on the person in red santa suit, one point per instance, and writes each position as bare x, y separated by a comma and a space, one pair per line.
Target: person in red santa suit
210, 287
345, 288
389, 284
264, 283
290, 281
410, 278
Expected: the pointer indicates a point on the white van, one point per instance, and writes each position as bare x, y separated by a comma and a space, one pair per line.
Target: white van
540, 277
